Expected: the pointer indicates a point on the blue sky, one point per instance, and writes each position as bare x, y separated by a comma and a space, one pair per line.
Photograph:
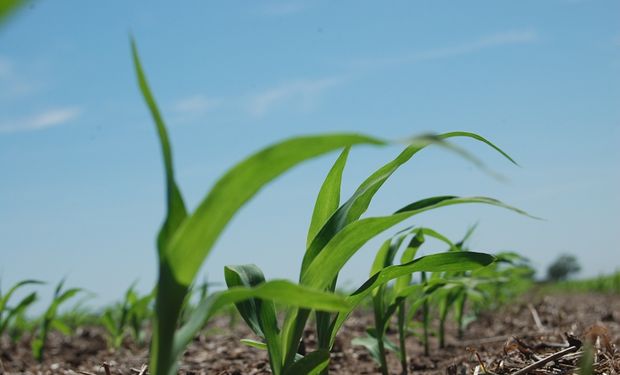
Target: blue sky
81, 193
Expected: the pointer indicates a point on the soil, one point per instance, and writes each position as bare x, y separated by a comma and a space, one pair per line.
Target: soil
511, 338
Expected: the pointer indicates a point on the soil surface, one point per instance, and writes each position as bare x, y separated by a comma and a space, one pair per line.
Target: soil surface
518, 335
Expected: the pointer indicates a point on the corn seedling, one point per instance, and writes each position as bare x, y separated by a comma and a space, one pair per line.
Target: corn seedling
186, 239
7, 313
50, 321
447, 297
80, 314
129, 316
336, 233
387, 300
483, 287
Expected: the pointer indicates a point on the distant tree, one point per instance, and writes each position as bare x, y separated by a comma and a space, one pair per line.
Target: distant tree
563, 267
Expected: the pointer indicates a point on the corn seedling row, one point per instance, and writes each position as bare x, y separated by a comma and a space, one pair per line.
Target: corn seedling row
337, 230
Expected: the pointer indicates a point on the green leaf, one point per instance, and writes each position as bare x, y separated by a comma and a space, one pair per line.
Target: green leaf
175, 205
17, 310
355, 206
384, 258
412, 249
449, 261
254, 344
408, 255
61, 327
328, 263
311, 364
359, 202
343, 245
279, 291
67, 295
107, 320
248, 275
467, 236
478, 138
193, 241
381, 257
260, 315
5, 298
328, 200
37, 346
371, 344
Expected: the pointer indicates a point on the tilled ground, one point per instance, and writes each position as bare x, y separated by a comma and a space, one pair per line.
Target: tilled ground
519, 335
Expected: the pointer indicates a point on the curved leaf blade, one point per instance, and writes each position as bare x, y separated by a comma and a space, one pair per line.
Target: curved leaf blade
443, 262
328, 200
311, 364
349, 240
194, 239
278, 291
359, 202
4, 299
175, 205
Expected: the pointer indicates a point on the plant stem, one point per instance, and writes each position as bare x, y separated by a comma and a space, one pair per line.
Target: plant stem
167, 312
461, 312
425, 318
380, 330
442, 327
323, 323
401, 337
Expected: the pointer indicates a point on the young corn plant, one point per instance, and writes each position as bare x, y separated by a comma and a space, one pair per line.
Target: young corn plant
50, 321
336, 233
459, 288
448, 297
186, 239
8, 314
80, 315
130, 316
488, 288
445, 290
391, 299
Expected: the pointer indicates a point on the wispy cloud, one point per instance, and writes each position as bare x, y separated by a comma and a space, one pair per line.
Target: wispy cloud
300, 93
47, 119
196, 105
193, 108
284, 8
486, 42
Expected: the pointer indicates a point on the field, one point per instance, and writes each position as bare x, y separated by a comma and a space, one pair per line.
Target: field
454, 310
217, 349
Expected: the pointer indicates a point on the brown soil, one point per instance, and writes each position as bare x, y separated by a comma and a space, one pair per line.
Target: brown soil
503, 341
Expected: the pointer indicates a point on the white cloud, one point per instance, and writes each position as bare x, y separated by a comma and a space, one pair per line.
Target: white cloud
193, 108
301, 93
43, 120
197, 104
489, 41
